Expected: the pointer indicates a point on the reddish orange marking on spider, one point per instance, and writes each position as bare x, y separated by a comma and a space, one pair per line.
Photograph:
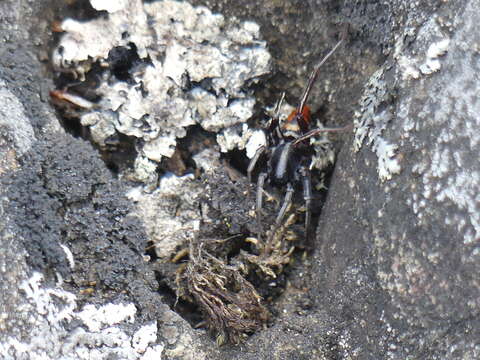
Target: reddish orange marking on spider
306, 115
298, 121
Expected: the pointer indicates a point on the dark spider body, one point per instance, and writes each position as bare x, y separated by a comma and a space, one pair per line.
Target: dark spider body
289, 154
284, 164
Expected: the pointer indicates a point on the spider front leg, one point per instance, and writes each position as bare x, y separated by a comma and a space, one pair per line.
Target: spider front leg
253, 162
307, 196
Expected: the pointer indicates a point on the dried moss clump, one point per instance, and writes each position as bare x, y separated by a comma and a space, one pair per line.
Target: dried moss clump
272, 255
229, 278
233, 307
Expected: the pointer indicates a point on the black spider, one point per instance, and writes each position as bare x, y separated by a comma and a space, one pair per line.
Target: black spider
289, 154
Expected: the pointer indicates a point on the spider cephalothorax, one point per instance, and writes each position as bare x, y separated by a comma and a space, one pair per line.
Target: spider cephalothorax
289, 154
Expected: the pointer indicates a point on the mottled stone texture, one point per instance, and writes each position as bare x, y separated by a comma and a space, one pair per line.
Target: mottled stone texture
397, 259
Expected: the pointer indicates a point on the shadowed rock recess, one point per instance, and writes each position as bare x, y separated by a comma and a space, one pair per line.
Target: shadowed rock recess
125, 220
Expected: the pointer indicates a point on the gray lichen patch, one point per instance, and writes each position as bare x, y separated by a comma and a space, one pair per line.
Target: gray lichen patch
171, 213
377, 110
193, 69
372, 120
108, 330
449, 176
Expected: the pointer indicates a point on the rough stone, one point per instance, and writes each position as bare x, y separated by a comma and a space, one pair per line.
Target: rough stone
398, 235
393, 273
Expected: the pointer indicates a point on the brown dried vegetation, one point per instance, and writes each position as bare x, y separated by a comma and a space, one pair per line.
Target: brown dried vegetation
232, 306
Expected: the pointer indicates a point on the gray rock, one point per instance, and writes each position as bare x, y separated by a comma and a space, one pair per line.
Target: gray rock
393, 271
398, 236
72, 252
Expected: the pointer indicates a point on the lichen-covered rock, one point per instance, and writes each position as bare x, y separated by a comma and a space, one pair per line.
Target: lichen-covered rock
393, 274
193, 68
398, 238
171, 213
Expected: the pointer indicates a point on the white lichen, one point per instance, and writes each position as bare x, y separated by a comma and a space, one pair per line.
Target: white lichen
145, 336
153, 353
387, 163
98, 332
207, 160
371, 122
449, 122
412, 66
109, 5
234, 137
435, 50
366, 119
69, 255
193, 69
171, 212
96, 318
256, 141
42, 300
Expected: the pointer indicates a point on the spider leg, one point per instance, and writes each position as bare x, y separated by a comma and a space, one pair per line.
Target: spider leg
316, 131
254, 161
281, 214
286, 203
259, 202
279, 106
307, 196
313, 77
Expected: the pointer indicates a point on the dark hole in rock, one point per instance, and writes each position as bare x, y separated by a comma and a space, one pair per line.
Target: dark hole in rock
186, 309
122, 60
150, 251
80, 10
196, 140
238, 160
120, 153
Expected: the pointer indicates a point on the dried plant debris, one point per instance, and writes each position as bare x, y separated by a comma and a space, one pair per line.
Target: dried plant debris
160, 67
232, 306
229, 278
273, 254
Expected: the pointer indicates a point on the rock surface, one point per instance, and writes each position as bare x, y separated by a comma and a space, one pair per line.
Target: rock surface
170, 66
400, 243
393, 274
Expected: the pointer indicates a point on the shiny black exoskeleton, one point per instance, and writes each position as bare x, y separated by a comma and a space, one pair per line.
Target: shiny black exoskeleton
289, 153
